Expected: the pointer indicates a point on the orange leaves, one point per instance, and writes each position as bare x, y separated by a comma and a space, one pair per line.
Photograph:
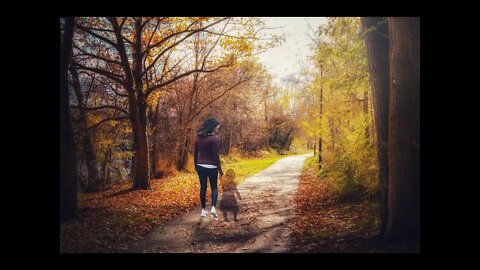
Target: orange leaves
109, 220
322, 225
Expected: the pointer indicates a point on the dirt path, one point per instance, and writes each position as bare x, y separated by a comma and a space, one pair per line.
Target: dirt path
264, 211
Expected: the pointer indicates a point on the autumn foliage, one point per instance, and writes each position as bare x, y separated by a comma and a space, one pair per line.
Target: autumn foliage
135, 89
108, 221
323, 224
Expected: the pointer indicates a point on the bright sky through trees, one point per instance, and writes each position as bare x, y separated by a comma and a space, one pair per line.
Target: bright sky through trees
288, 57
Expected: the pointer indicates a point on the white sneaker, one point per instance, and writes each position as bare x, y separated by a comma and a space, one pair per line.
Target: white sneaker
213, 212
204, 213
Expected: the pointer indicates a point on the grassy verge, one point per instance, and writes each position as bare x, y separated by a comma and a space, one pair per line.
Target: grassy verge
248, 167
109, 220
325, 225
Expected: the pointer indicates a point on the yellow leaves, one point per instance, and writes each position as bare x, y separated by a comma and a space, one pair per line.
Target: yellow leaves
153, 98
323, 223
238, 45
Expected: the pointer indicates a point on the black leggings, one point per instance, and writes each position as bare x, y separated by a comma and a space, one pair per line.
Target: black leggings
212, 174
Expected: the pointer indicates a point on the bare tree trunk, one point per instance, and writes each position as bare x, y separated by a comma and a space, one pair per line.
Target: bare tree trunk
404, 130
138, 119
265, 107
139, 114
156, 154
153, 159
137, 103
332, 132
166, 139
185, 139
372, 125
108, 178
365, 113
87, 142
153, 119
68, 162
321, 115
376, 42
185, 143
105, 163
229, 144
290, 139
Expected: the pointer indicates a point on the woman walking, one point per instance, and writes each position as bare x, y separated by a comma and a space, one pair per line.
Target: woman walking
207, 162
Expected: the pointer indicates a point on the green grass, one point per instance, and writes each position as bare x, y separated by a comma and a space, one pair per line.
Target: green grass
248, 167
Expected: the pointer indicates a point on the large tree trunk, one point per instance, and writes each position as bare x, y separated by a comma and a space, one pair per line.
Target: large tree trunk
68, 165
136, 101
139, 123
141, 173
376, 41
403, 221
87, 142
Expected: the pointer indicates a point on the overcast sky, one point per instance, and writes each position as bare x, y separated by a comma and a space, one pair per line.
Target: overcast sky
284, 59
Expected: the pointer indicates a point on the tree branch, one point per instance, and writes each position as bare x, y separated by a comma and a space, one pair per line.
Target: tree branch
335, 66
97, 56
123, 54
145, 23
98, 36
213, 100
358, 99
167, 38
172, 67
164, 51
160, 85
123, 22
101, 107
101, 122
214, 45
98, 29
153, 34
105, 73
176, 43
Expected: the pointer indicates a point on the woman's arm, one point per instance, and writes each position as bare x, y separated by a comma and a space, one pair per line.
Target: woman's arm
216, 154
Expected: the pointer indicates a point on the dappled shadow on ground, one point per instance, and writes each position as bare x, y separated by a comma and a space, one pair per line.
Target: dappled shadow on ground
262, 206
260, 227
233, 237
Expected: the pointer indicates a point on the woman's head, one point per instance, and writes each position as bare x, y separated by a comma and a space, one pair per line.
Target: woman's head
209, 126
